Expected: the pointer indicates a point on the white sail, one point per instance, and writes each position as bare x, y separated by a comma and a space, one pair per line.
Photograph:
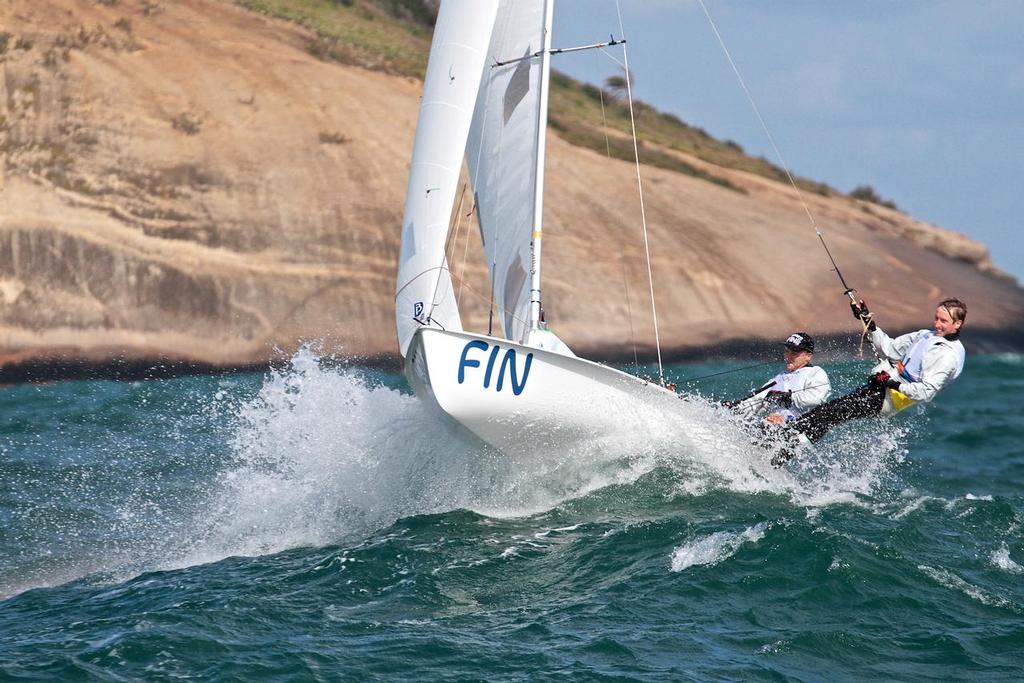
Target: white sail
457, 56
502, 156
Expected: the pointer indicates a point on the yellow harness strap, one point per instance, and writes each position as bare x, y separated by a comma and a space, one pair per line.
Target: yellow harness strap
900, 401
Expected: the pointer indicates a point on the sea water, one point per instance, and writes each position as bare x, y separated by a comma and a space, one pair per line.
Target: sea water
319, 523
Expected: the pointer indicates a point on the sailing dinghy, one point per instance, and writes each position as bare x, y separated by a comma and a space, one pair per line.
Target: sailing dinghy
485, 99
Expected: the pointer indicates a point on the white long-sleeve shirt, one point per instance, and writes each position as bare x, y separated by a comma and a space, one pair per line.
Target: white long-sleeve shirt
810, 386
928, 362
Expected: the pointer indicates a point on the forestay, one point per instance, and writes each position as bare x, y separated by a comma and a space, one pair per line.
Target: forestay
502, 156
457, 57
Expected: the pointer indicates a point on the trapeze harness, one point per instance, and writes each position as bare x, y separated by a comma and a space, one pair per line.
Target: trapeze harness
909, 369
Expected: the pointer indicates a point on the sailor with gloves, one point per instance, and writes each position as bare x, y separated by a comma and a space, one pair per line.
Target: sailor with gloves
791, 393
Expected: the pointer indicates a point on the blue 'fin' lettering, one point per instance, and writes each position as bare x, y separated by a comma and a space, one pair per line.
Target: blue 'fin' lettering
490, 366
510, 361
465, 363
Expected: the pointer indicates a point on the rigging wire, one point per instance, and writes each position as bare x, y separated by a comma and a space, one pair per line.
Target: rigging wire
604, 126
445, 261
453, 239
640, 189
848, 291
483, 297
726, 372
465, 253
622, 253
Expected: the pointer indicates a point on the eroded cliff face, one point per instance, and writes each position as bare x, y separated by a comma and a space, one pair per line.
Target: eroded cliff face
185, 181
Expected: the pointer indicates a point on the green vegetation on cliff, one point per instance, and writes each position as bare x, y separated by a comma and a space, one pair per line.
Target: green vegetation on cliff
394, 36
867, 193
383, 36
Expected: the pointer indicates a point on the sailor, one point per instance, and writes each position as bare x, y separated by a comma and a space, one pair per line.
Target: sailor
915, 367
791, 393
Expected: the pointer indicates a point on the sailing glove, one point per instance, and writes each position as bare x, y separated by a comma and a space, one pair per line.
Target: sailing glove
861, 313
884, 381
783, 398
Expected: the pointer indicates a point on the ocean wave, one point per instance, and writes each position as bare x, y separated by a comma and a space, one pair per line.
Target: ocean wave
1000, 557
913, 506
322, 456
712, 549
948, 579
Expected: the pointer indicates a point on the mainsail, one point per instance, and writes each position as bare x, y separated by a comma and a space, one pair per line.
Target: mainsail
505, 142
424, 287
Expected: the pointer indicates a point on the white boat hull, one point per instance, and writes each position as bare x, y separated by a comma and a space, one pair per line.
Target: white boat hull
518, 398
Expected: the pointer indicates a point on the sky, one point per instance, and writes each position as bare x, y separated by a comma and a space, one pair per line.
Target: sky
921, 99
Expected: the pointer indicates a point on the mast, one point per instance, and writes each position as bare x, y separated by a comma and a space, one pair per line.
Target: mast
538, 194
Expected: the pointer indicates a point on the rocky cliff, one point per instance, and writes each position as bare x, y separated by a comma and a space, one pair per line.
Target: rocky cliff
188, 182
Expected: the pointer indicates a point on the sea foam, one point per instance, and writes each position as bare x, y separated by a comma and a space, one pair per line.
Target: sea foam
1000, 557
712, 549
322, 456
